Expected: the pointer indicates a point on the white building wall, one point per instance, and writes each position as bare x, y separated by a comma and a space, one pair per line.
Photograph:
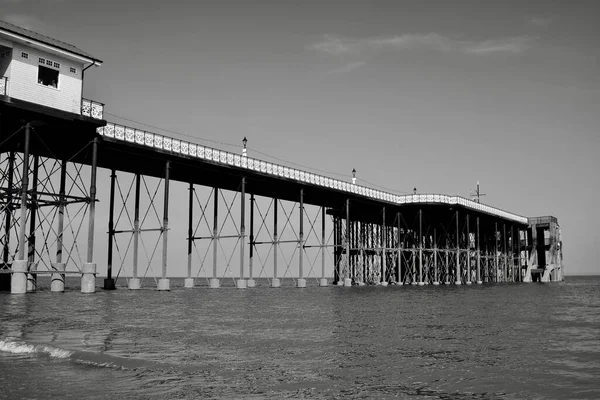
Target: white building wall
24, 84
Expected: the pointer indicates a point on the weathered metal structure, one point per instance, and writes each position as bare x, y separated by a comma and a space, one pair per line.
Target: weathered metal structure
247, 218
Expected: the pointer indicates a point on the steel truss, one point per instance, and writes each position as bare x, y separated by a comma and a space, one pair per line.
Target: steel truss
419, 250
45, 202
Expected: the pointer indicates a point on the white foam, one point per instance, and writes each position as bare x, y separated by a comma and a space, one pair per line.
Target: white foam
15, 346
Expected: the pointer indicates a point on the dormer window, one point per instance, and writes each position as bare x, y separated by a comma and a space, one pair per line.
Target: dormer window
47, 76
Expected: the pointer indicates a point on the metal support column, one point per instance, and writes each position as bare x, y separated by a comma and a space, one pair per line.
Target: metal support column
163, 283
383, 250
109, 282
241, 283
347, 276
251, 281
214, 281
135, 282
457, 282
505, 250
275, 282
301, 281
88, 272
479, 281
323, 281
421, 283
9, 207
497, 263
399, 279
32, 277
20, 266
57, 280
436, 279
468, 251
189, 281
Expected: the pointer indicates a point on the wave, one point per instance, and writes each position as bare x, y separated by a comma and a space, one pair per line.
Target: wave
15, 345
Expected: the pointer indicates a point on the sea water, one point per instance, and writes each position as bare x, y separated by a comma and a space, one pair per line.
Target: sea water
503, 341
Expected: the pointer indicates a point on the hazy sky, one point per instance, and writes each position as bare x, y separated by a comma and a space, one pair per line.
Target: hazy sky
432, 94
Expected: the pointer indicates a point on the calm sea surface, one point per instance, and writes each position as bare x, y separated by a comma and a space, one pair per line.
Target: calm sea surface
512, 341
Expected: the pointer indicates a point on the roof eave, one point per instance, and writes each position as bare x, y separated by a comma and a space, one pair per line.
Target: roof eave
27, 39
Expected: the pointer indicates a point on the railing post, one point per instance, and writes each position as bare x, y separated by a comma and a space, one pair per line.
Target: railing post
164, 283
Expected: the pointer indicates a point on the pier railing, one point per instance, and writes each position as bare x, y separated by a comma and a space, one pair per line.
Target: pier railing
184, 148
91, 108
3, 85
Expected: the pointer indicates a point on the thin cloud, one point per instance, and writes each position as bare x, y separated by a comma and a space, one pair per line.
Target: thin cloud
337, 45
541, 22
348, 67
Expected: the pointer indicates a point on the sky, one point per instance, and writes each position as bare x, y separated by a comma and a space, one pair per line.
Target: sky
436, 95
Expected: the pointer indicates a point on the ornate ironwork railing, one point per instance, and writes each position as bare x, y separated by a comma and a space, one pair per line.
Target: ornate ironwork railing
91, 108
184, 148
3, 85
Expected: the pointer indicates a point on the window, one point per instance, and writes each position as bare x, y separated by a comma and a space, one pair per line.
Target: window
47, 76
42, 60
48, 62
24, 55
73, 70
56, 65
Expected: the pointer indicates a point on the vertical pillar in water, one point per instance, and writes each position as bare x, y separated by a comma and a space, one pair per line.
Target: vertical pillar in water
189, 281
135, 282
276, 282
457, 280
436, 280
383, 238
347, 277
399, 279
18, 282
301, 281
241, 283
109, 282
468, 242
323, 280
32, 276
88, 272
421, 283
251, 281
479, 281
57, 279
164, 283
214, 281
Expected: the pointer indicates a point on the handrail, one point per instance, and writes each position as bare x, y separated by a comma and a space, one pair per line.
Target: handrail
3, 85
91, 108
148, 139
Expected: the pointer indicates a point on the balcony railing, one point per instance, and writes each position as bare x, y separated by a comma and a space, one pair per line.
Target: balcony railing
3, 85
148, 139
90, 108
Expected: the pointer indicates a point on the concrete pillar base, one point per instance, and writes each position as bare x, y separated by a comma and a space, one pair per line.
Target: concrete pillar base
251, 283
468, 282
414, 283
361, 283
457, 283
421, 283
241, 284
479, 282
135, 284
347, 282
301, 283
214, 283
88, 278
340, 283
275, 282
436, 284
384, 283
109, 284
446, 283
31, 283
18, 281
164, 285
323, 282
399, 283
188, 283
57, 280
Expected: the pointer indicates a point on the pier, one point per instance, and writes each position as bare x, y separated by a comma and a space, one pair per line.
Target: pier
247, 218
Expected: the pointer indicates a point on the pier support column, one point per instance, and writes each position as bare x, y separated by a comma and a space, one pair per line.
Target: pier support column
413, 254
468, 251
57, 279
347, 276
135, 282
479, 281
323, 280
189, 281
496, 256
399, 280
32, 277
251, 281
164, 283
242, 283
109, 282
214, 281
421, 283
20, 265
458, 282
88, 278
301, 281
436, 278
275, 282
